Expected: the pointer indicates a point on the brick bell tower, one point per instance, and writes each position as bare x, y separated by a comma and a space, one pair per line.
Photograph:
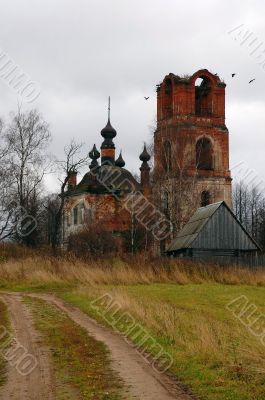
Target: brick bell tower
191, 143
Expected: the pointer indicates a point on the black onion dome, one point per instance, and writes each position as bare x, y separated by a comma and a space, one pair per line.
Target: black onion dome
94, 154
145, 156
120, 161
108, 132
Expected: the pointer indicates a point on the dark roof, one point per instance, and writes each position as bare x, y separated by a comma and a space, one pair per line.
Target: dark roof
108, 132
213, 227
145, 156
120, 161
106, 179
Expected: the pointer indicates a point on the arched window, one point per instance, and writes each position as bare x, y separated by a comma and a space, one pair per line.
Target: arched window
205, 198
75, 211
82, 213
166, 156
203, 97
165, 201
204, 154
168, 99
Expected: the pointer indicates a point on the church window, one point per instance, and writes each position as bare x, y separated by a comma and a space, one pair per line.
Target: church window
204, 154
168, 99
205, 198
76, 215
203, 97
165, 201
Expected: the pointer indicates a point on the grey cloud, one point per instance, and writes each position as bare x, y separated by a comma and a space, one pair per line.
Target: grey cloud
81, 51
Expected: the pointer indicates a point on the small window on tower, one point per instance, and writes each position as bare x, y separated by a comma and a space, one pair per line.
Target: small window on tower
203, 96
205, 198
204, 154
168, 99
166, 156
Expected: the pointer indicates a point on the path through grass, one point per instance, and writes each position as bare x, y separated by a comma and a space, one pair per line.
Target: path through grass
82, 364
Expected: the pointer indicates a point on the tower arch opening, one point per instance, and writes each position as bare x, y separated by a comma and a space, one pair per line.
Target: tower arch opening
203, 96
168, 98
205, 198
204, 154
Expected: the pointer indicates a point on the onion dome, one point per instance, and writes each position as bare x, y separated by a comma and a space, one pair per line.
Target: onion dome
108, 132
145, 171
145, 156
94, 155
120, 161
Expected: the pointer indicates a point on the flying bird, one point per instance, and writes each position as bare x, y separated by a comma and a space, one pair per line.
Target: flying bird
146, 98
252, 80
233, 75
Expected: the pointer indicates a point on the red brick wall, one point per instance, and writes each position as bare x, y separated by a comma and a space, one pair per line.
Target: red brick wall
183, 128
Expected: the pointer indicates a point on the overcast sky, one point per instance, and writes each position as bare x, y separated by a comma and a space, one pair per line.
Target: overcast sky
82, 51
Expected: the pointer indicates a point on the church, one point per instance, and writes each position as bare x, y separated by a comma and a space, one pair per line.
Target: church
191, 166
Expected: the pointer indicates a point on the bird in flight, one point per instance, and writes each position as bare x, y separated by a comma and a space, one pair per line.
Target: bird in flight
252, 80
233, 74
146, 98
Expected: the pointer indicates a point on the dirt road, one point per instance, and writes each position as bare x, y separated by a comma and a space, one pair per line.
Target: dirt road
143, 381
29, 368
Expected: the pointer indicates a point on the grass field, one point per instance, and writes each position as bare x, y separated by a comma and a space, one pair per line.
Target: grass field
213, 352
182, 306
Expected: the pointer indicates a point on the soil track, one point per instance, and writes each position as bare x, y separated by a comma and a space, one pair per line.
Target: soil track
144, 382
38, 383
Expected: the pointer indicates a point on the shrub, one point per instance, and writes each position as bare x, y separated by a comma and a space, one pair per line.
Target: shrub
93, 242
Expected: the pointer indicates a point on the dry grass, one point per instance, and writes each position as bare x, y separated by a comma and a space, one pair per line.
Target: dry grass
192, 329
41, 269
182, 304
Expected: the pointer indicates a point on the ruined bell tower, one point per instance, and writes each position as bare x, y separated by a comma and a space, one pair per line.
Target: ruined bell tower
191, 144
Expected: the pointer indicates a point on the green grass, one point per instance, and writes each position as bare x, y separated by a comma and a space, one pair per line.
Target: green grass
4, 322
82, 364
214, 354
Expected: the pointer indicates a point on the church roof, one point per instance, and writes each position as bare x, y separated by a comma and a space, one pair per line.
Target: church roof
145, 156
108, 132
120, 161
106, 179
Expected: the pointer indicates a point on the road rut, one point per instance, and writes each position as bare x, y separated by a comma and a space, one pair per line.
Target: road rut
36, 381
144, 382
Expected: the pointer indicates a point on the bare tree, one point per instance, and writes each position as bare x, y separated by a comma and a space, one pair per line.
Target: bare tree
249, 207
73, 161
26, 139
5, 215
176, 189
